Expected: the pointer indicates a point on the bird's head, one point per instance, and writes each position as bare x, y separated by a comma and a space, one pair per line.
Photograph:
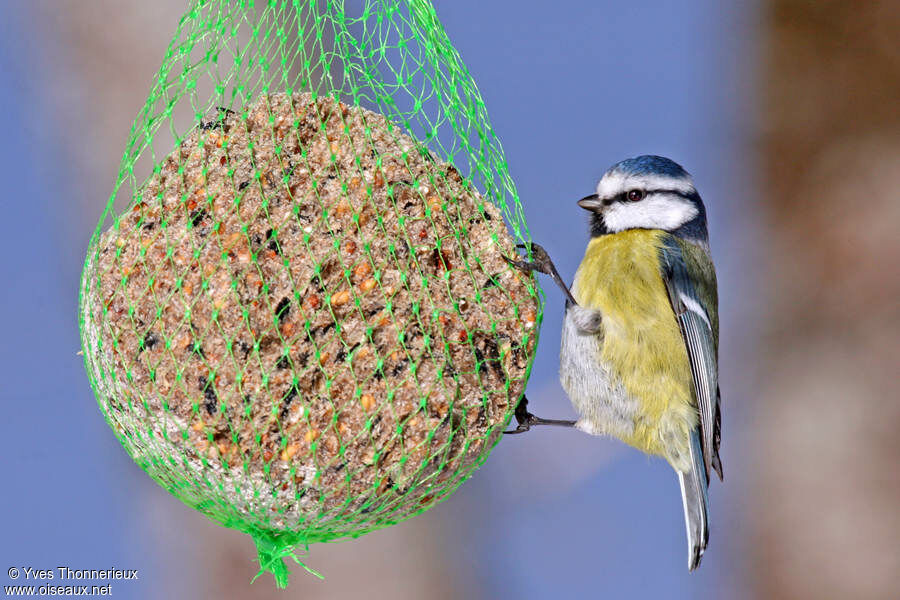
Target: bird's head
646, 192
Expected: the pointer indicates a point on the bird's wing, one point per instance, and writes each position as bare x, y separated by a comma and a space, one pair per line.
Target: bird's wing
690, 280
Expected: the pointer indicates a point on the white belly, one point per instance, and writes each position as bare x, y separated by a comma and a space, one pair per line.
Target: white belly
603, 405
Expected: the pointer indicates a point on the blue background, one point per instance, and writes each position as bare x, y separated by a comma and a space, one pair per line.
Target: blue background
571, 88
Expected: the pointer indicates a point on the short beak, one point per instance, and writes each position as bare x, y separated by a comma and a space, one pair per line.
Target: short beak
591, 202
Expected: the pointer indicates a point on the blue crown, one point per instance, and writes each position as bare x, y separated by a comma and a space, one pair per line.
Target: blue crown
650, 165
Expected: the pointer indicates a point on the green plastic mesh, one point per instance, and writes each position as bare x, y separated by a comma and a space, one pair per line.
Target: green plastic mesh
295, 311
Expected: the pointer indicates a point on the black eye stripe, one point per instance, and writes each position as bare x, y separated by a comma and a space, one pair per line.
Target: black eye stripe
623, 197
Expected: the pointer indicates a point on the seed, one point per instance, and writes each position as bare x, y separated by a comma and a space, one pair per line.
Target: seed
342, 208
362, 270
529, 319
313, 301
232, 240
311, 435
289, 452
367, 285
340, 298
367, 401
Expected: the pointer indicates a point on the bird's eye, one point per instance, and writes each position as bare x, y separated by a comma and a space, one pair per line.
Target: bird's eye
635, 195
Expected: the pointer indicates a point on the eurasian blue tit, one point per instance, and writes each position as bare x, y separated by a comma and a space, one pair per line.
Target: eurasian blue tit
641, 331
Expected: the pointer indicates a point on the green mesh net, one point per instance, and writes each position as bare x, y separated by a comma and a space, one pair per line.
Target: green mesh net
295, 310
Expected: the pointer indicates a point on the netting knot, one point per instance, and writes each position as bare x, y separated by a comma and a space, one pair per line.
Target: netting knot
272, 550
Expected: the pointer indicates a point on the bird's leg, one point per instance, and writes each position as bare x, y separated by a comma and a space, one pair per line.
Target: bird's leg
542, 264
525, 419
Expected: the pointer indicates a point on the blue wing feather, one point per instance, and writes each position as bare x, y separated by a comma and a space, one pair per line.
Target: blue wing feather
698, 328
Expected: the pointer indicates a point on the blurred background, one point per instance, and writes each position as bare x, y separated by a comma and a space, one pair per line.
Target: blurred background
785, 112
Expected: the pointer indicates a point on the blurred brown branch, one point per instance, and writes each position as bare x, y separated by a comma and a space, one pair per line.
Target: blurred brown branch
826, 485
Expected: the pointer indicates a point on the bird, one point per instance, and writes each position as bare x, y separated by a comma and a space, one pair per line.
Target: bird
639, 343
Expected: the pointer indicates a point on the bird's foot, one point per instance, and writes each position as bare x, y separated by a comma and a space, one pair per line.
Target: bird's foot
540, 259
542, 264
526, 420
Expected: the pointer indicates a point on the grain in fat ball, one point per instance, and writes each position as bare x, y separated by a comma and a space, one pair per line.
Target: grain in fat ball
308, 304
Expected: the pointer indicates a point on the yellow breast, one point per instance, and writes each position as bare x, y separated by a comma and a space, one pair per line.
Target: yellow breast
642, 344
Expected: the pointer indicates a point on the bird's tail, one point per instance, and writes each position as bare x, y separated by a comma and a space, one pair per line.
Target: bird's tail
694, 495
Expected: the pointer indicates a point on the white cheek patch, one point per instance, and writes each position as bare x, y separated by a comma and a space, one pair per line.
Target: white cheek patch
657, 211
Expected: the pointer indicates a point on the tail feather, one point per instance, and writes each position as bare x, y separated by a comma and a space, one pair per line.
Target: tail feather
694, 496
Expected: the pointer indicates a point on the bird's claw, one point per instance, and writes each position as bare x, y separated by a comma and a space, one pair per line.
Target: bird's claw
540, 259
525, 419
520, 428
542, 264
